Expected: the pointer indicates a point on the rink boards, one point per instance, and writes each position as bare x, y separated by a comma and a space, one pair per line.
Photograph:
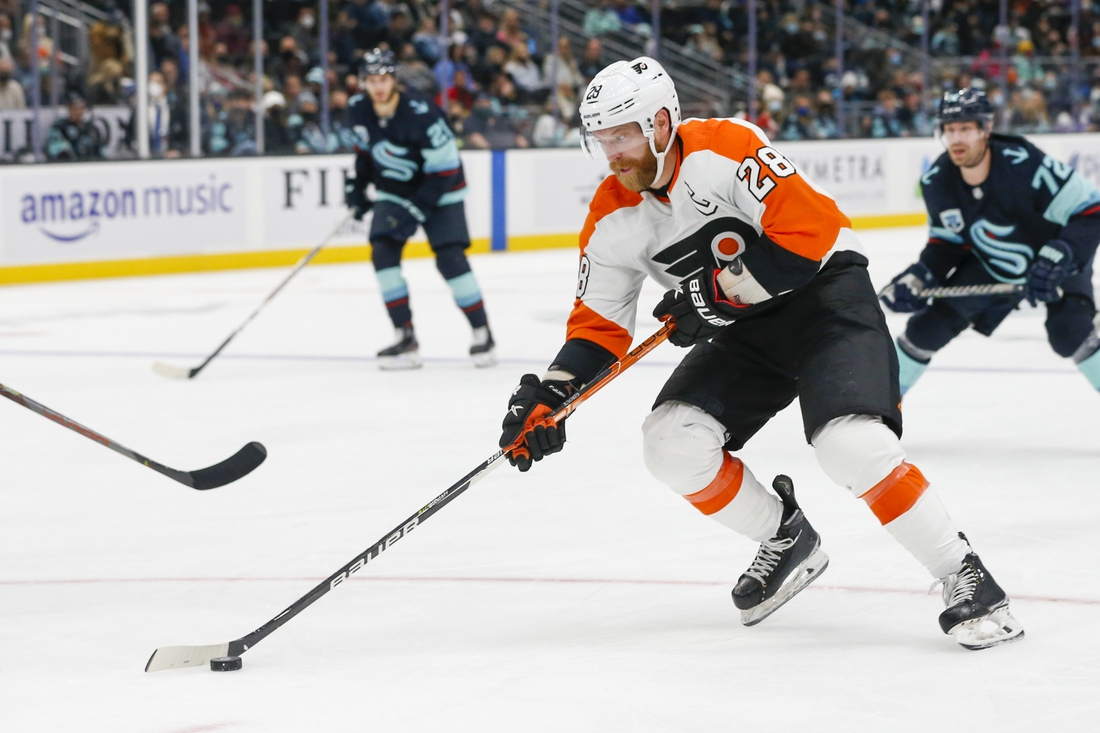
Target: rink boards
73, 221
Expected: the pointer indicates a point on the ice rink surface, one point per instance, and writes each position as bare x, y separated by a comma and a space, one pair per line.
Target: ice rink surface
582, 596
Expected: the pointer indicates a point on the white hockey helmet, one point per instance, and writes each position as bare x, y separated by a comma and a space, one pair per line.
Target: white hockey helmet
630, 91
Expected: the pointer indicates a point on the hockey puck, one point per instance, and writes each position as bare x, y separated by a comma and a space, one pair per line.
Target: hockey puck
226, 664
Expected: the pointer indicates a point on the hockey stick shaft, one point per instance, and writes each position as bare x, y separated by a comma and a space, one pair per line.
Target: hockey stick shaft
967, 291
248, 458
305, 260
176, 657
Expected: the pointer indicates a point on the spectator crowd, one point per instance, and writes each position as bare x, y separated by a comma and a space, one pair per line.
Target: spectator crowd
502, 85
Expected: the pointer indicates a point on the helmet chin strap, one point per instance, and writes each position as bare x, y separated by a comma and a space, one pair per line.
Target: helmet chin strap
660, 156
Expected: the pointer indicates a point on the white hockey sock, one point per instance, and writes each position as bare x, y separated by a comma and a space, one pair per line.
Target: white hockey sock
737, 500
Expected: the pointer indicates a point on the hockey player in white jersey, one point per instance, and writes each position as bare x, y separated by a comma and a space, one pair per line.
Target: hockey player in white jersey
768, 284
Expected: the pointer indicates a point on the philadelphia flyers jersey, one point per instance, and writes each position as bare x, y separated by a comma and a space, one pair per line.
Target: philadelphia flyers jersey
732, 194
1028, 199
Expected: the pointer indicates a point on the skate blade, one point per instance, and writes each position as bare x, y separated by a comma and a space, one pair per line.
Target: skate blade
999, 627
486, 359
806, 572
400, 362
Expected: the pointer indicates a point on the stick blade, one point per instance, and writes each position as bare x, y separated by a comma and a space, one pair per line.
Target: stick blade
172, 371
178, 657
237, 466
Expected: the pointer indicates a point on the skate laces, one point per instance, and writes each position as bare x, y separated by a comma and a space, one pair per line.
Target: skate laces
767, 557
958, 587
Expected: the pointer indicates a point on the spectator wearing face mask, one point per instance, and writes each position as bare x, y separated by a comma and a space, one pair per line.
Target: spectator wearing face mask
11, 92
160, 115
799, 124
304, 32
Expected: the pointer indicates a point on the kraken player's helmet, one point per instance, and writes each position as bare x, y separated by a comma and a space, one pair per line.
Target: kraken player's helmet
629, 91
964, 105
376, 62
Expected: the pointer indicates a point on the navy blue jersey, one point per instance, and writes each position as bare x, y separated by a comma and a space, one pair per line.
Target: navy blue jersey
411, 158
1028, 199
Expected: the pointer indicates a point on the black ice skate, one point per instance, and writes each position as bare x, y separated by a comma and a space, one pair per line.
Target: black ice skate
483, 350
405, 354
784, 565
977, 614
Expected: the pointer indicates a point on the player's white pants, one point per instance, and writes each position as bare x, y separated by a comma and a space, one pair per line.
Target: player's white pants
683, 448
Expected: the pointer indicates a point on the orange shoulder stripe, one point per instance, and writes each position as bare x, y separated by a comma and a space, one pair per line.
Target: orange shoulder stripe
796, 216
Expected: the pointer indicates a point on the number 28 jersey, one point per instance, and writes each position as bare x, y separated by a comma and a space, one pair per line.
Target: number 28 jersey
732, 194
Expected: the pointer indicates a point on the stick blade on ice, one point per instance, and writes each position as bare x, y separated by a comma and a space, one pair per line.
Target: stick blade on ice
239, 465
178, 657
172, 371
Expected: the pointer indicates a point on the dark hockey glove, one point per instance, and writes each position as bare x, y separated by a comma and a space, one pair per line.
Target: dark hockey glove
1051, 267
531, 402
901, 296
697, 308
355, 198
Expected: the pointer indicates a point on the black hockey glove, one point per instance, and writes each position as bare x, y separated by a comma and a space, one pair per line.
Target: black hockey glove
697, 308
355, 198
532, 401
1051, 267
901, 296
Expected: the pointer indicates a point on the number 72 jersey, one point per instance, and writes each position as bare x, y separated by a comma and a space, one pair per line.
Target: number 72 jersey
732, 194
1028, 199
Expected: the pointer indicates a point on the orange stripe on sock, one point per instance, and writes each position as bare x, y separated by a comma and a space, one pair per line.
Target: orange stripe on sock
720, 492
897, 493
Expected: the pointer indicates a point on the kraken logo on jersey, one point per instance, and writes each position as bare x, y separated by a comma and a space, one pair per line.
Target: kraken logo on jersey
716, 243
1006, 261
420, 108
390, 158
953, 219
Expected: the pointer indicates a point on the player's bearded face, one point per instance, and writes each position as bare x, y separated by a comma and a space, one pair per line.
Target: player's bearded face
966, 143
628, 155
381, 87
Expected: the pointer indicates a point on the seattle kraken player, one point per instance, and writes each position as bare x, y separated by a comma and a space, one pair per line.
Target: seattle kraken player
405, 148
1000, 211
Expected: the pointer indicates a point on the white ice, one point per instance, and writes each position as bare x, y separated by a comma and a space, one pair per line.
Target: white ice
582, 596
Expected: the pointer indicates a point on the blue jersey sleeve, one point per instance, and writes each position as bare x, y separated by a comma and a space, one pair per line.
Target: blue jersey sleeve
945, 248
1066, 198
444, 182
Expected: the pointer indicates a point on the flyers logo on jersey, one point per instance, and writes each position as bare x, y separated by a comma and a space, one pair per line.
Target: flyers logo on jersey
715, 244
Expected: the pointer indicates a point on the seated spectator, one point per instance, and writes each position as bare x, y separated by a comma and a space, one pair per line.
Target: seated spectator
160, 115
601, 19
339, 123
232, 31
524, 72
105, 85
566, 65
429, 47
484, 34
233, 129
277, 139
73, 137
703, 40
304, 32
884, 120
509, 33
412, 73
461, 90
342, 39
799, 123
591, 63
11, 92
915, 122
486, 130
309, 139
825, 116
290, 61
490, 66
6, 35
162, 41
451, 64
399, 32
179, 107
292, 89
630, 15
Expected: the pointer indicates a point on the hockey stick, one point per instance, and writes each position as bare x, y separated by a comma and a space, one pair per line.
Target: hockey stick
177, 372
967, 291
240, 464
176, 657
